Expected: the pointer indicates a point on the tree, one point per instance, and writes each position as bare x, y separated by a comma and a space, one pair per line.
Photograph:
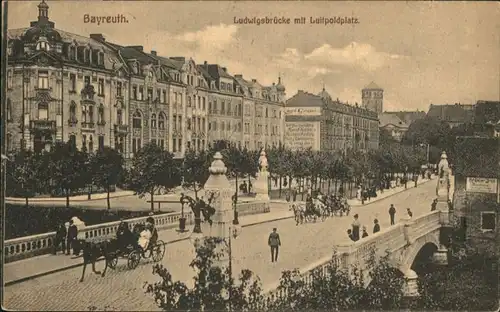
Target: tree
107, 168
214, 288
195, 170
24, 171
66, 166
152, 169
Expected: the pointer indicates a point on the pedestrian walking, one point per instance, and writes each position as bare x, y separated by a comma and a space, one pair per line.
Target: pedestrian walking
355, 227
365, 234
376, 226
392, 213
434, 204
60, 239
349, 233
274, 242
71, 239
410, 214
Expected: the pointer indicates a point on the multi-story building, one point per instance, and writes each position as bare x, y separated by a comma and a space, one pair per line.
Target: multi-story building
453, 114
320, 123
63, 86
93, 92
373, 98
263, 113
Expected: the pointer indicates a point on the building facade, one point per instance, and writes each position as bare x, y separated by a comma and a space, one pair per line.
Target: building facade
394, 125
408, 117
88, 90
323, 124
373, 98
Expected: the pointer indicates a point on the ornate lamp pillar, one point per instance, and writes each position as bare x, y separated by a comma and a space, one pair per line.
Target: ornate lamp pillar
218, 190
261, 184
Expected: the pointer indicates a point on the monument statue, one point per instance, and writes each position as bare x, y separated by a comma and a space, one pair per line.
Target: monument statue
443, 184
263, 161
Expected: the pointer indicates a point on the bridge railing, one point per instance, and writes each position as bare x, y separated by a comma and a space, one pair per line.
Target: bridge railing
357, 253
34, 245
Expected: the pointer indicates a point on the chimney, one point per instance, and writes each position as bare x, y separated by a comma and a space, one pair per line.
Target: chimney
224, 69
254, 80
153, 52
138, 47
238, 76
274, 84
97, 37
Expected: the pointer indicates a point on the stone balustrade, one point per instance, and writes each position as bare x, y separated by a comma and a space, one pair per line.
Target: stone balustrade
34, 245
356, 254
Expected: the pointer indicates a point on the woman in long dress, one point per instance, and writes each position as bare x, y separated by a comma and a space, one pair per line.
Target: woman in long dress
144, 238
80, 225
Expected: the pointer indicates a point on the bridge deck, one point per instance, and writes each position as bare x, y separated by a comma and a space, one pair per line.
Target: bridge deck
122, 288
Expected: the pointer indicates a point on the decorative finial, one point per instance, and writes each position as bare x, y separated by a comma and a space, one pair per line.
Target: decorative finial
443, 155
217, 167
279, 78
263, 160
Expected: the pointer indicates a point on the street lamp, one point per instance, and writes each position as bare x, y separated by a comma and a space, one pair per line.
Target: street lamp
197, 236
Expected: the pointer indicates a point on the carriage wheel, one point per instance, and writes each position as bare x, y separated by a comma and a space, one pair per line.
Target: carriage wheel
133, 259
158, 251
113, 261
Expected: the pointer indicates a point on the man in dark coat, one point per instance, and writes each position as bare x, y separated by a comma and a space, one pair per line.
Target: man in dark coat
376, 226
72, 242
392, 213
60, 239
274, 242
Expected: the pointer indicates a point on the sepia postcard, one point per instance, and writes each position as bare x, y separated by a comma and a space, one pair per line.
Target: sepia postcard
250, 155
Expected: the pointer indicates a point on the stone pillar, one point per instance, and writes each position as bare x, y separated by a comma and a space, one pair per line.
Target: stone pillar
219, 189
261, 184
411, 284
443, 183
440, 257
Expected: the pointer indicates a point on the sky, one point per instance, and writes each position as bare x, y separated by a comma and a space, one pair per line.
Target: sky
418, 52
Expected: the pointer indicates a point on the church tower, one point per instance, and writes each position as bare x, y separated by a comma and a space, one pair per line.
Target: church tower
373, 98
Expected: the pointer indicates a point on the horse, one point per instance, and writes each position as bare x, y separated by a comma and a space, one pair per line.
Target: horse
92, 251
320, 208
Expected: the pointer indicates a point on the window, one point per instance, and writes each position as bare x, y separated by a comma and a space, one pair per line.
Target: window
180, 145
153, 121
174, 145
9, 110
43, 79
204, 107
87, 80
43, 111
91, 114
141, 93
9, 79
158, 96
91, 144
174, 122
162, 144
193, 122
150, 94
161, 121
87, 55
488, 221
72, 140
134, 92
8, 141
100, 142
153, 141
100, 115
188, 123
84, 142
42, 46
189, 101
118, 88
164, 98
72, 53
137, 120
95, 57
100, 87
119, 144
180, 122
72, 112
119, 117
222, 107
72, 82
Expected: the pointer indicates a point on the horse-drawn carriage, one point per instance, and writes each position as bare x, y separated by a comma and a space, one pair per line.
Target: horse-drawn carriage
141, 242
319, 207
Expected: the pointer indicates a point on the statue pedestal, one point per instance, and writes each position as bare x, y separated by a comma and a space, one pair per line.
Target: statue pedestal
260, 186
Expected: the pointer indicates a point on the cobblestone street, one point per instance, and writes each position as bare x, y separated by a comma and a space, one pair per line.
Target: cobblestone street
123, 289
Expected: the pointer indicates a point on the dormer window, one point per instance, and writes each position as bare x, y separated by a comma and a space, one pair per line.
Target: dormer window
87, 56
72, 53
42, 46
101, 58
9, 50
95, 57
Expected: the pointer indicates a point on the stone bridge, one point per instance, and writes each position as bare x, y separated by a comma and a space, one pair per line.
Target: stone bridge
402, 243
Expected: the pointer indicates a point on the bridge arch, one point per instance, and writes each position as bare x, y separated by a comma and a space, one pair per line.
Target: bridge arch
414, 249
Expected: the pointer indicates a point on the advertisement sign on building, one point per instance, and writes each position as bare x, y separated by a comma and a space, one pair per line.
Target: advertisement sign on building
481, 185
303, 111
302, 135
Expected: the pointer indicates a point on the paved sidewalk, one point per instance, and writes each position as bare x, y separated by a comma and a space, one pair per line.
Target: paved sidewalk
18, 271
387, 193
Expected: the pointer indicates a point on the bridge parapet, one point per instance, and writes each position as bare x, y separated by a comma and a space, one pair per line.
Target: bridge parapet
34, 245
